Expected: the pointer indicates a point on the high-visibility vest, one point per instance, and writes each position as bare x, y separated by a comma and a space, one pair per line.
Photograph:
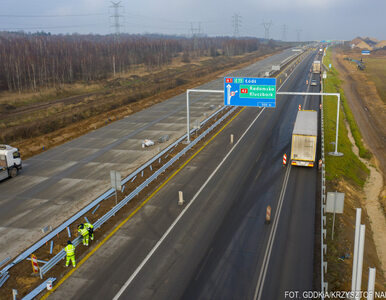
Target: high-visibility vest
70, 250
88, 225
83, 231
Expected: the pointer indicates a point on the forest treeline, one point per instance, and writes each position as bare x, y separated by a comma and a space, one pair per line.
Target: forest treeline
35, 61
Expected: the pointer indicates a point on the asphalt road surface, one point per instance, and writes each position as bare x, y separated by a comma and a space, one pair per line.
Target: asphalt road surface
60, 181
219, 248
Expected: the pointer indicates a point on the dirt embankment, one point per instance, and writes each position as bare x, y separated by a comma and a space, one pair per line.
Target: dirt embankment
370, 113
47, 125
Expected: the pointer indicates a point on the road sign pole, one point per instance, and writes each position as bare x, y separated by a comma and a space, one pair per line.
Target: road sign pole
337, 128
187, 118
335, 153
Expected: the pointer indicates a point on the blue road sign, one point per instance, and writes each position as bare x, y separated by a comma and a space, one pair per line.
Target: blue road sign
256, 92
365, 52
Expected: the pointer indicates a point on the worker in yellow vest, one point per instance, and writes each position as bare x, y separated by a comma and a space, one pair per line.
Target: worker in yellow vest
90, 229
83, 231
70, 253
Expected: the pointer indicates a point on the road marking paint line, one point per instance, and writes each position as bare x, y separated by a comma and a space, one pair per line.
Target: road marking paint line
148, 256
65, 277
268, 250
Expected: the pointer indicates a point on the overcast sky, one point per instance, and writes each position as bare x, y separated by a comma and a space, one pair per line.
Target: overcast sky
313, 19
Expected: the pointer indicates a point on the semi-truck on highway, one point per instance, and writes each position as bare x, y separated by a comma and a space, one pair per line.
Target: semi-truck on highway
316, 67
10, 161
304, 136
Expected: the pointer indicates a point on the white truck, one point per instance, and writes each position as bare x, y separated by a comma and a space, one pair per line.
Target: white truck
10, 161
316, 67
304, 137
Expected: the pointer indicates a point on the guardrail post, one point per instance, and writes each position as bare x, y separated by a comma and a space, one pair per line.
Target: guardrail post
325, 286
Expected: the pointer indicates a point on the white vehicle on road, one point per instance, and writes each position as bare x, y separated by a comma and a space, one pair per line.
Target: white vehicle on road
10, 161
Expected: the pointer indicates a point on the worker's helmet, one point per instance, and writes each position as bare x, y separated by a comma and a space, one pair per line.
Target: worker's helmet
81, 226
69, 242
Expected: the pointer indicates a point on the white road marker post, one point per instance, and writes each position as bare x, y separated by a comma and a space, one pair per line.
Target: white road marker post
358, 284
371, 284
356, 246
232, 138
180, 198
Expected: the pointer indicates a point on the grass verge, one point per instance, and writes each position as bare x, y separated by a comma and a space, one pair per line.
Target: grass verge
333, 85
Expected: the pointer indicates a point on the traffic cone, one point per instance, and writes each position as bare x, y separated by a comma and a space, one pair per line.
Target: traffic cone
268, 215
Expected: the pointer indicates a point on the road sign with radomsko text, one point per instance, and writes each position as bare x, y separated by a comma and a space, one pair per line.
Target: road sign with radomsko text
256, 92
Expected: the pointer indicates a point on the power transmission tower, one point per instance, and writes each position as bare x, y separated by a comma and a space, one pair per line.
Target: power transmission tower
298, 32
196, 31
236, 23
116, 16
267, 26
284, 30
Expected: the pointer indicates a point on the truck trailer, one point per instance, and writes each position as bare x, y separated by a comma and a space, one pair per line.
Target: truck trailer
10, 161
304, 137
316, 67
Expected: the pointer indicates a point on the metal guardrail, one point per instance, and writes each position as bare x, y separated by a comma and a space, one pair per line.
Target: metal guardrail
39, 289
4, 261
58, 257
94, 203
323, 231
3, 278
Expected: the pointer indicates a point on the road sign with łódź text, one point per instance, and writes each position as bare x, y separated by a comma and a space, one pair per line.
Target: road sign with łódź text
256, 92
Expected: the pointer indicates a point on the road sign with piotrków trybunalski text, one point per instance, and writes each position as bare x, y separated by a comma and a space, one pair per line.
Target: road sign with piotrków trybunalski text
257, 92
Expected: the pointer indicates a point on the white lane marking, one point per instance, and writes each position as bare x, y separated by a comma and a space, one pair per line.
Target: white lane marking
146, 259
268, 250
139, 268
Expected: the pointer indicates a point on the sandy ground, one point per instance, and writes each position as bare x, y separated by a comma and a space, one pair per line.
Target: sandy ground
370, 113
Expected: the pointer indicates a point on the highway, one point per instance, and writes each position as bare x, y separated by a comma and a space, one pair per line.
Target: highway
219, 247
57, 183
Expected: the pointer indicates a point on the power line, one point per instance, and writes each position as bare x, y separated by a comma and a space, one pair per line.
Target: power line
49, 16
298, 32
49, 27
284, 32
